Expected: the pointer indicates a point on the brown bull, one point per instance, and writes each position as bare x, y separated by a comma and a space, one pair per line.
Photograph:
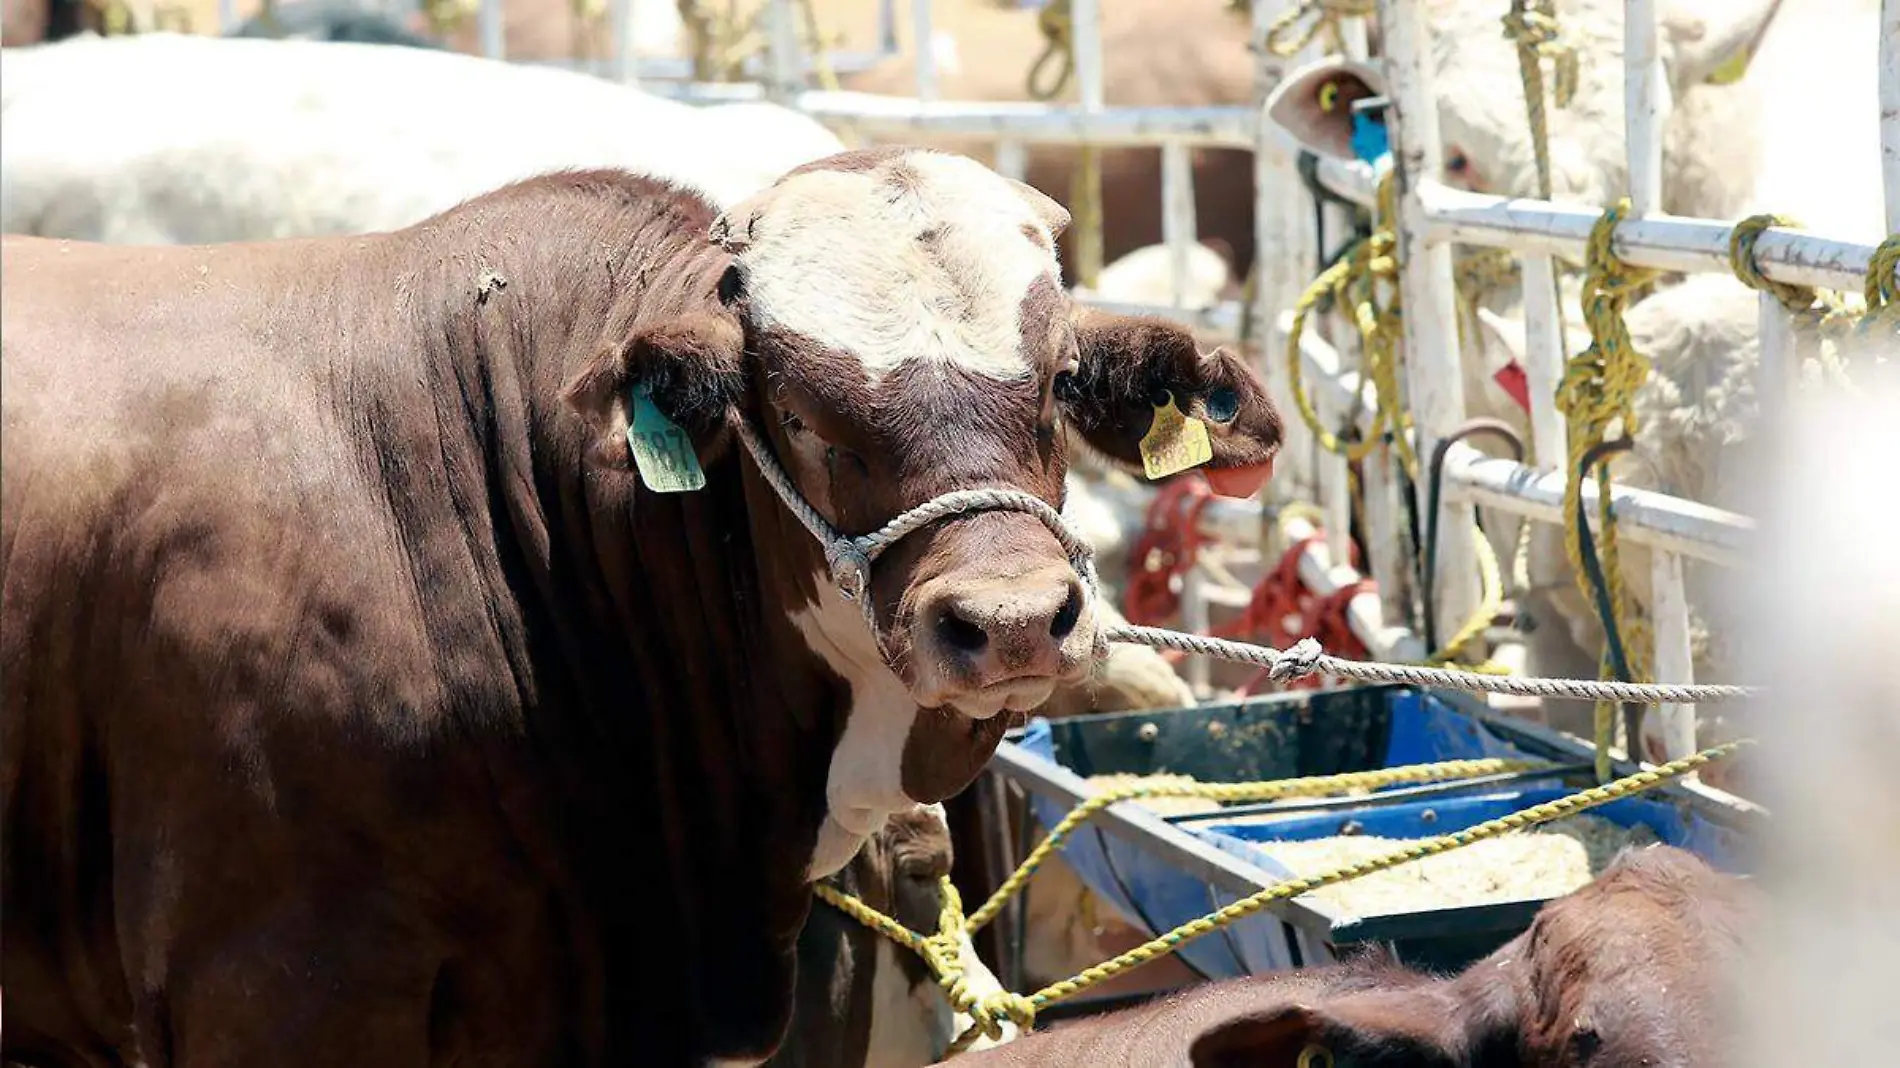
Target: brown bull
361, 705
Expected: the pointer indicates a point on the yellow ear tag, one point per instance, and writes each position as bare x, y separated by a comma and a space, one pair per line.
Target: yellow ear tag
1733, 68
1174, 442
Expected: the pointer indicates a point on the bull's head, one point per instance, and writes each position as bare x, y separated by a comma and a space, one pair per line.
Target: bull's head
891, 321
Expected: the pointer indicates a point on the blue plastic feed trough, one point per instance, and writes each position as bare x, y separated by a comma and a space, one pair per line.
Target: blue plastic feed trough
1162, 871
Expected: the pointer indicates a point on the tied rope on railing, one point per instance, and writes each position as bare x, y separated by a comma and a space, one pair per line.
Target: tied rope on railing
1597, 392
722, 41
1883, 288
1819, 317
1532, 26
1303, 23
1353, 283
942, 951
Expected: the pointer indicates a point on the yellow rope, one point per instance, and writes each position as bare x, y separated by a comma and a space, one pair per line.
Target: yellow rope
1315, 786
1597, 391
721, 41
1303, 23
1057, 25
1532, 26
820, 47
1291, 888
1490, 603
1354, 283
942, 951
1883, 290
1368, 260
1821, 319
1814, 309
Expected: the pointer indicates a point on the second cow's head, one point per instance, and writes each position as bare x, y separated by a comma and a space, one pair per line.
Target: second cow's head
892, 321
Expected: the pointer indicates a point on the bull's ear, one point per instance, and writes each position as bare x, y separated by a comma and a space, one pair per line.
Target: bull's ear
1314, 103
1129, 366
693, 366
1277, 1038
1053, 215
1409, 1022
1701, 37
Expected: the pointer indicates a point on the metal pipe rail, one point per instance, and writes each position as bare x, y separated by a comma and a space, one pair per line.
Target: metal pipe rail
880, 115
1664, 242
1657, 520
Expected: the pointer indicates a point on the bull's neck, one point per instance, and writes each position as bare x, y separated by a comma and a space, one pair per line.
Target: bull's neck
691, 726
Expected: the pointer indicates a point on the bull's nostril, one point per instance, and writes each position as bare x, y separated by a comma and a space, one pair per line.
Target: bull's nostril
961, 634
1066, 617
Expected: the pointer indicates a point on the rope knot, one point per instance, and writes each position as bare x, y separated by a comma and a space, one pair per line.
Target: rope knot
850, 568
991, 1012
1298, 661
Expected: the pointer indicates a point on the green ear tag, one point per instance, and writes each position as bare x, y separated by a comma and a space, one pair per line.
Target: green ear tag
661, 450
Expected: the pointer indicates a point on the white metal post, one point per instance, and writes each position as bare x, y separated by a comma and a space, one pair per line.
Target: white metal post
493, 30
1178, 225
925, 57
1195, 620
1780, 369
1544, 361
626, 15
1543, 369
887, 28
1436, 382
784, 67
1646, 105
1890, 109
1086, 21
1352, 33
1669, 612
1012, 159
1279, 258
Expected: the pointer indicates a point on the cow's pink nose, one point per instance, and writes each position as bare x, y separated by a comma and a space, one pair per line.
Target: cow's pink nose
1008, 628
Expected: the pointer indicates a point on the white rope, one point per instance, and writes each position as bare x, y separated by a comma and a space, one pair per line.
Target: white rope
850, 558
1305, 658
850, 561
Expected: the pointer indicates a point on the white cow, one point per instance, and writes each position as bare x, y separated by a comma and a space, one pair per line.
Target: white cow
165, 139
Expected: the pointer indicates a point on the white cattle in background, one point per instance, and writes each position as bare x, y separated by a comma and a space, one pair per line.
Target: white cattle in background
1821, 623
170, 139
1146, 276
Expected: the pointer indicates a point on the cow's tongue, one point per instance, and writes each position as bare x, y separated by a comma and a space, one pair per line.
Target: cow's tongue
1238, 482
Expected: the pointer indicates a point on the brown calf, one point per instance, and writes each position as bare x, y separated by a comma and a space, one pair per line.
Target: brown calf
1628, 971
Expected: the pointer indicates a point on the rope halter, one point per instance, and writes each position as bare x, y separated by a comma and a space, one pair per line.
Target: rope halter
849, 558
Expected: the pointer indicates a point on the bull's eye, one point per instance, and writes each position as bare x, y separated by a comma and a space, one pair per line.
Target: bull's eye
1223, 404
1456, 162
1316, 1056
1066, 391
792, 423
730, 284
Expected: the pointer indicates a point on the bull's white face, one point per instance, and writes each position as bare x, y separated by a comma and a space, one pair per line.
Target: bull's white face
905, 314
919, 257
